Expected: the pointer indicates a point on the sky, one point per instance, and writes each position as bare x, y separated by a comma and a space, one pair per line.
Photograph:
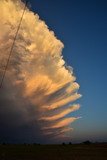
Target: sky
82, 27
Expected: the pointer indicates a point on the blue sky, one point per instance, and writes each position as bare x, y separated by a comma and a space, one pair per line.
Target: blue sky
82, 27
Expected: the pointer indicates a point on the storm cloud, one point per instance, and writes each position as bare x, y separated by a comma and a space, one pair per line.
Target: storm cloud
39, 89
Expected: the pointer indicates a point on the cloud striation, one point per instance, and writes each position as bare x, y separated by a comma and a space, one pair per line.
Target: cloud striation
39, 89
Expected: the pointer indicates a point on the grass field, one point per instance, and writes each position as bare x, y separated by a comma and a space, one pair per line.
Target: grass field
54, 152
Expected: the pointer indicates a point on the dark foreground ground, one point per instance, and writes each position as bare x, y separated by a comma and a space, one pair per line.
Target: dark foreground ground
54, 152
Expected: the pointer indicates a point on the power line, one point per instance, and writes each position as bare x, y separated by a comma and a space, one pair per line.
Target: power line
11, 50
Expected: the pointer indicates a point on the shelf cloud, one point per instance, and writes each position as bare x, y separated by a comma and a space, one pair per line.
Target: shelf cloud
39, 88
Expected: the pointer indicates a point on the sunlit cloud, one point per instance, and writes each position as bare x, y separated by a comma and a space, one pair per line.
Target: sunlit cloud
62, 113
37, 70
62, 123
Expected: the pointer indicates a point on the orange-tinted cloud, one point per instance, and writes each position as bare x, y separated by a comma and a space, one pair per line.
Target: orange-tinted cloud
37, 67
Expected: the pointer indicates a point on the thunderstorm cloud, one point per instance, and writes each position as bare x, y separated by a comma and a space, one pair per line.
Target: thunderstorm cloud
39, 89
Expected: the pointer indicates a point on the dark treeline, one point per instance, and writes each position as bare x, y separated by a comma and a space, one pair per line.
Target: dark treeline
69, 143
